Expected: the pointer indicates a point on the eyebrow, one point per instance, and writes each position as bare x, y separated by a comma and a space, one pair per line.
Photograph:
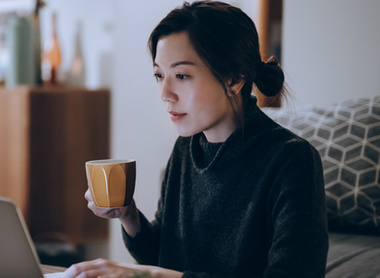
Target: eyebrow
179, 63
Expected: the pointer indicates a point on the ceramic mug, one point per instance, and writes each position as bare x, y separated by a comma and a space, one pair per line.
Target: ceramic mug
111, 182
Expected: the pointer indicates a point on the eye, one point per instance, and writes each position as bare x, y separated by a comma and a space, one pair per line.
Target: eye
182, 76
158, 76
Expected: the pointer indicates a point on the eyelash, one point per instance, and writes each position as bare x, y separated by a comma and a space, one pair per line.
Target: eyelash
182, 76
159, 76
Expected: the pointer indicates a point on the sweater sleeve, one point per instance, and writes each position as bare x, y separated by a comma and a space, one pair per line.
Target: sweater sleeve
144, 247
297, 211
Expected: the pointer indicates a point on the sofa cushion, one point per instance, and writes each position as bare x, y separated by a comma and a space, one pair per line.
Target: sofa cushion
353, 255
347, 136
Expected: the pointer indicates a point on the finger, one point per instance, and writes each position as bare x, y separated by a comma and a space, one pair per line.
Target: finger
90, 201
94, 273
87, 195
102, 212
73, 271
85, 268
91, 205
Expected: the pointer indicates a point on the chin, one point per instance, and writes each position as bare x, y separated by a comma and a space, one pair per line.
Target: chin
187, 132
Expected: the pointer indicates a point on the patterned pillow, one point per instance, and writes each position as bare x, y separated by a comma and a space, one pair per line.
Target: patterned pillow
347, 136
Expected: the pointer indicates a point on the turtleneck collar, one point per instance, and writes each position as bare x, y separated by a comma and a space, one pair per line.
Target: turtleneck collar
206, 155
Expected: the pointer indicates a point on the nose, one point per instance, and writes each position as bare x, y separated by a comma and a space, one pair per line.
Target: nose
167, 91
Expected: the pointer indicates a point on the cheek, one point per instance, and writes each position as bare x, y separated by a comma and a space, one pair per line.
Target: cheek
204, 97
193, 97
207, 94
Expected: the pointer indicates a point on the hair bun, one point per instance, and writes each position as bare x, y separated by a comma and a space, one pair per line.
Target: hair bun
270, 77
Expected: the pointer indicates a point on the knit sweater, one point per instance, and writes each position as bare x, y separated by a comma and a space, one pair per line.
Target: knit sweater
252, 206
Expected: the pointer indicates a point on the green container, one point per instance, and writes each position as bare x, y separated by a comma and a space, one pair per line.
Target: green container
21, 68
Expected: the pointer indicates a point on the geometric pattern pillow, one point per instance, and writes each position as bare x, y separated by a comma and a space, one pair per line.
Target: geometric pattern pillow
347, 137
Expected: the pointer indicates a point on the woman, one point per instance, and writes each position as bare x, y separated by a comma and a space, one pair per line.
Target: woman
241, 196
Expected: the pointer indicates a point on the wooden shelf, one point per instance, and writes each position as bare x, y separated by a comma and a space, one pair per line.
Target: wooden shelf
47, 135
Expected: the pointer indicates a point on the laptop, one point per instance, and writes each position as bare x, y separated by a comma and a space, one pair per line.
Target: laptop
18, 255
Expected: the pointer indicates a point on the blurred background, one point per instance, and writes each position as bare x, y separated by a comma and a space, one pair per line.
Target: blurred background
329, 51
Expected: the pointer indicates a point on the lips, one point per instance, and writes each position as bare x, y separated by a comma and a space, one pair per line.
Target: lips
176, 116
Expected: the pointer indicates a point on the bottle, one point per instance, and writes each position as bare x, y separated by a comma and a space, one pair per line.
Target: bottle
53, 53
19, 41
37, 40
37, 49
76, 75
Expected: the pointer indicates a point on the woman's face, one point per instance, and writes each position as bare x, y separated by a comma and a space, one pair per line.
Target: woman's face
193, 96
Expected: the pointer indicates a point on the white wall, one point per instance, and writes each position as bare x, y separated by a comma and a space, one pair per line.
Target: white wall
140, 129
331, 49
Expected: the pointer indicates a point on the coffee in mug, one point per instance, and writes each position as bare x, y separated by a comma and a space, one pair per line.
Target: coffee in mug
111, 182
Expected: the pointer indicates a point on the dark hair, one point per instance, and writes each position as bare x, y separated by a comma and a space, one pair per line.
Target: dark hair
226, 40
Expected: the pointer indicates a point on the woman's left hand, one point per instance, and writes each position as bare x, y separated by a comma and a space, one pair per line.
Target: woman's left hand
101, 268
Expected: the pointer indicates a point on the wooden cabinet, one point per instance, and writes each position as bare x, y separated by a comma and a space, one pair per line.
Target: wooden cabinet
46, 136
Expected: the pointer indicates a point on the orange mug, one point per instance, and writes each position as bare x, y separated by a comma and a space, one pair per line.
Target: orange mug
111, 182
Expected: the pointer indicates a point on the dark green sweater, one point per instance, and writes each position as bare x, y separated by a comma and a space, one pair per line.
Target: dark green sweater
251, 207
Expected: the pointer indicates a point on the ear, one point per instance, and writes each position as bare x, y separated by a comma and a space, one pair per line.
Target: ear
235, 86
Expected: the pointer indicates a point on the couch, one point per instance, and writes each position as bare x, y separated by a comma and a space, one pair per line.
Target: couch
347, 136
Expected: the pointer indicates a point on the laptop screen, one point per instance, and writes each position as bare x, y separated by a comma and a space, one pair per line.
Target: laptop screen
18, 257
